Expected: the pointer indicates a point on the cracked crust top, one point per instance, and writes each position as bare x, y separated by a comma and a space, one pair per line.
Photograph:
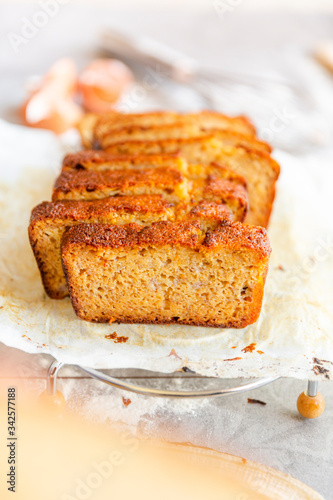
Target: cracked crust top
236, 236
83, 210
90, 180
90, 159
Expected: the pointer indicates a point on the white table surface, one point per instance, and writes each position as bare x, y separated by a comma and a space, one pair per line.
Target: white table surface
274, 434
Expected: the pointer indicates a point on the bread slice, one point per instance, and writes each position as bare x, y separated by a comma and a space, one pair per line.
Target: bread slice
94, 175
169, 272
90, 185
257, 167
180, 131
94, 127
49, 221
100, 160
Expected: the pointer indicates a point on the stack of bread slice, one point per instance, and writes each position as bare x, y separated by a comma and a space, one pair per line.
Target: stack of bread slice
163, 222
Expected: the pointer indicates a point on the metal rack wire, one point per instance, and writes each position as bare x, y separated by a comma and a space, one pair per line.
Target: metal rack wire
310, 394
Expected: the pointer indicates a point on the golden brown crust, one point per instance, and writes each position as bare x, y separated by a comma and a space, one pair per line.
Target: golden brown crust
112, 122
162, 233
181, 131
211, 210
165, 233
96, 184
80, 210
238, 235
226, 192
163, 321
92, 159
185, 233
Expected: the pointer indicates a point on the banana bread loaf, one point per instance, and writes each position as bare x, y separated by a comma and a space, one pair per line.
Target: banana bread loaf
149, 229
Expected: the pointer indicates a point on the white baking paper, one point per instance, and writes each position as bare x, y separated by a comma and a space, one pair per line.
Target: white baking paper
292, 338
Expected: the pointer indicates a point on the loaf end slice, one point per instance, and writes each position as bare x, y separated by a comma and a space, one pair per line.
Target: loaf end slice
111, 123
181, 130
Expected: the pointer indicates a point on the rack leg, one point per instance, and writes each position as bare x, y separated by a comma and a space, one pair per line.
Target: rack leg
52, 395
312, 388
311, 403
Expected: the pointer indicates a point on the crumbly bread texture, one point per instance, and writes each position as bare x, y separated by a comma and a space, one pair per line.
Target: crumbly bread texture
168, 272
94, 128
180, 131
257, 167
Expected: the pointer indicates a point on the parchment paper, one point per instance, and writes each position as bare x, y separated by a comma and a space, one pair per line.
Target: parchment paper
293, 337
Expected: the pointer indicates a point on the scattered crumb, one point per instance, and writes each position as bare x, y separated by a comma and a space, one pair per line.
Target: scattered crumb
234, 347
281, 268
112, 320
320, 370
249, 348
244, 460
126, 401
256, 402
260, 352
117, 340
231, 359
